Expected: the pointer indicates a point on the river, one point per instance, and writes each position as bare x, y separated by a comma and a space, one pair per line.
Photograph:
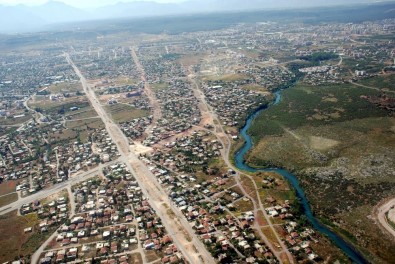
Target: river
348, 249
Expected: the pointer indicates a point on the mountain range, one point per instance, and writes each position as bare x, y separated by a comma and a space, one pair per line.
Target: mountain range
21, 18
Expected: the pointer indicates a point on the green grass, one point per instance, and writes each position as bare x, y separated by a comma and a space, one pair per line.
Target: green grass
159, 86
10, 121
381, 82
7, 199
123, 113
313, 106
254, 87
82, 113
53, 108
13, 241
65, 88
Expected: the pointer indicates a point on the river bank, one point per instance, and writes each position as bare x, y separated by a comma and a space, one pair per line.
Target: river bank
239, 160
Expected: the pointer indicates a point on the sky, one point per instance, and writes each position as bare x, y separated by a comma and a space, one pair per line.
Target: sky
80, 3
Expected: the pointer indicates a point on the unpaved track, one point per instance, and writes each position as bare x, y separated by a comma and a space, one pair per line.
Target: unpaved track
157, 112
381, 217
178, 228
225, 152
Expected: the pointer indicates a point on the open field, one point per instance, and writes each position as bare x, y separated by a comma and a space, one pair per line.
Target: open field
315, 106
10, 121
227, 78
121, 80
7, 199
159, 86
8, 186
124, 113
384, 82
58, 107
340, 146
256, 88
85, 112
65, 87
85, 124
13, 240
136, 258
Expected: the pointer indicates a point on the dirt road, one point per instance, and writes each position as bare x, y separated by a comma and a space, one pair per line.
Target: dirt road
178, 228
381, 216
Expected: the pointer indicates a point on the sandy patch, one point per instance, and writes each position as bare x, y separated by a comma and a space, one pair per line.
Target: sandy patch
335, 115
138, 148
319, 117
391, 215
330, 99
320, 143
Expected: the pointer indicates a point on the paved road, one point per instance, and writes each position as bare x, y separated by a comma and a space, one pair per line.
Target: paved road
81, 176
382, 210
178, 228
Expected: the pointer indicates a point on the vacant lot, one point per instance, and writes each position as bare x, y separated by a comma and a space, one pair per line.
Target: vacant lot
159, 86
11, 120
85, 112
8, 198
13, 240
227, 78
66, 87
60, 107
124, 113
8, 186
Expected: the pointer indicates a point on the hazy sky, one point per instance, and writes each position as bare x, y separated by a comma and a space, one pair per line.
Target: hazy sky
80, 3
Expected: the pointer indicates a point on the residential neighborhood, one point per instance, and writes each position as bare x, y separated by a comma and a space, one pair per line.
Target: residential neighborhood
125, 148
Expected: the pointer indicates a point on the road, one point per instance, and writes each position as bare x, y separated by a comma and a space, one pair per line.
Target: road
226, 143
178, 227
371, 88
81, 176
381, 217
36, 256
157, 114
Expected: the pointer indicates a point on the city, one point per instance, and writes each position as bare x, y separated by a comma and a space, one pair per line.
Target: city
120, 148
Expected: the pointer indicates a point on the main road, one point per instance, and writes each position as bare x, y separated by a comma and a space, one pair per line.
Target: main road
175, 223
82, 176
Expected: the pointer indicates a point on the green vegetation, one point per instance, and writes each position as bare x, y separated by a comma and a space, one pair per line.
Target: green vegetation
171, 56
13, 239
315, 106
123, 113
61, 108
11, 120
7, 199
340, 147
381, 82
320, 56
159, 86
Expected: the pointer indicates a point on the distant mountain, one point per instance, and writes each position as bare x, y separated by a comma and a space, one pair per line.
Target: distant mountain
22, 18
54, 12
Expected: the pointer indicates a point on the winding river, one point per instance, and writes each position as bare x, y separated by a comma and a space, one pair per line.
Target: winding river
349, 250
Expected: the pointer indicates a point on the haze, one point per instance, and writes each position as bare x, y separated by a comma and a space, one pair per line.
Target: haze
81, 4
18, 16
